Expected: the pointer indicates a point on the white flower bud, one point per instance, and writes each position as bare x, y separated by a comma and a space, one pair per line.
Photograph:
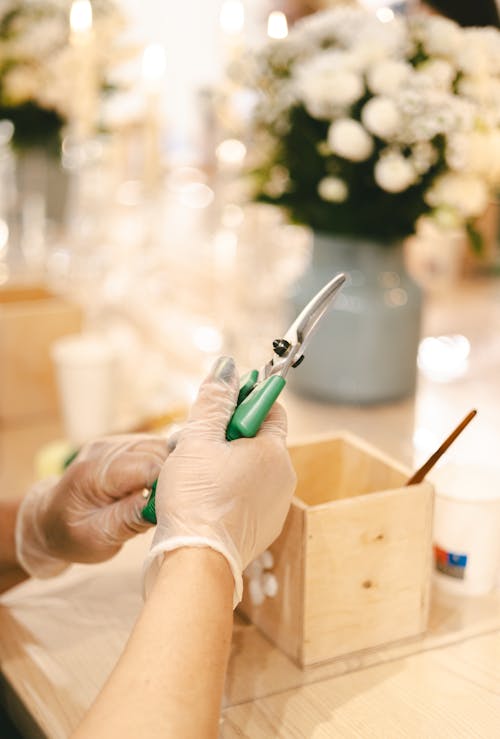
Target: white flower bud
424, 155
394, 173
333, 189
381, 117
465, 193
440, 73
386, 77
327, 82
442, 37
348, 139
477, 153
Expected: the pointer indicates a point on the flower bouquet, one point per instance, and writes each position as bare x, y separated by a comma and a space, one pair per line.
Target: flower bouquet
37, 65
363, 130
362, 127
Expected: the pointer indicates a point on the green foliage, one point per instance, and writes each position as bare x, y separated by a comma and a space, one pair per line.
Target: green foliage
327, 98
37, 65
369, 211
33, 126
475, 239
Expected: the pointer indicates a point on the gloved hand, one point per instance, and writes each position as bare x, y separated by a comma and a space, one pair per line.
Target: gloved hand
88, 513
230, 496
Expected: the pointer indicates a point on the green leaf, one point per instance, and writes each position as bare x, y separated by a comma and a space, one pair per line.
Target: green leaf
475, 238
33, 126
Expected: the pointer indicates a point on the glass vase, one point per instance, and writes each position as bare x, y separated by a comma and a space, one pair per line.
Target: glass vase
365, 350
34, 187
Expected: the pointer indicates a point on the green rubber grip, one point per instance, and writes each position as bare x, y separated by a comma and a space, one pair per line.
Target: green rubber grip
149, 511
70, 458
247, 384
251, 413
254, 403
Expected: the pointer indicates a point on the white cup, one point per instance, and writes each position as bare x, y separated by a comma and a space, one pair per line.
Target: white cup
86, 369
466, 528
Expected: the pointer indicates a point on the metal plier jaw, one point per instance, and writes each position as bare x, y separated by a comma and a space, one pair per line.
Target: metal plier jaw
290, 350
259, 389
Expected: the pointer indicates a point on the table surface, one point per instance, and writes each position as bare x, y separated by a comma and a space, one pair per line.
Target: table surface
61, 638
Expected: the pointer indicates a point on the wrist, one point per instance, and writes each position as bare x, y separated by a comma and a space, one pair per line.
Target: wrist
202, 550
203, 567
202, 558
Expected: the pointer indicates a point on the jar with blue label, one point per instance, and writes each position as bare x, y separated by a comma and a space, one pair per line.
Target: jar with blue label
466, 528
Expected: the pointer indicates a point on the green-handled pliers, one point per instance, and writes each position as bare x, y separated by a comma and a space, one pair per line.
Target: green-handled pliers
260, 388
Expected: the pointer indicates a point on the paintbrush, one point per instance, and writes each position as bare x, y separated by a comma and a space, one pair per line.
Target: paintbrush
422, 471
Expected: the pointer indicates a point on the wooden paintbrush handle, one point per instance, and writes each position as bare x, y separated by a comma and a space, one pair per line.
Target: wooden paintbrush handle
422, 471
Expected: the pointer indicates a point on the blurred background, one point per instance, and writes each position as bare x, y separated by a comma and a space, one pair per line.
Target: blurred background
176, 182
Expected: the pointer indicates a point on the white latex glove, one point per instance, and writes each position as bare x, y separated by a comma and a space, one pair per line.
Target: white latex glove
88, 513
230, 496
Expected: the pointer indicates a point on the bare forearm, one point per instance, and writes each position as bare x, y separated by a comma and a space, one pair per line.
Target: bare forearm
170, 679
10, 572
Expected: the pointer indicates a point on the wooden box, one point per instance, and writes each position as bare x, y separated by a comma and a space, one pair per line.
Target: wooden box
353, 562
31, 319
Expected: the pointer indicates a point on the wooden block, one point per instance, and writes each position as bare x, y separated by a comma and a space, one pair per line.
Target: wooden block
353, 562
31, 319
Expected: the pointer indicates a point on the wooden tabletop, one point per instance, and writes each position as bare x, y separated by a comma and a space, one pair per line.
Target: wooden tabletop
60, 638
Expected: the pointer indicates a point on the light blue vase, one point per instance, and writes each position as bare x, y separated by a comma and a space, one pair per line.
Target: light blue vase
365, 350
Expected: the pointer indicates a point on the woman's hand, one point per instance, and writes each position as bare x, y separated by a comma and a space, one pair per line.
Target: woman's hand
230, 496
87, 514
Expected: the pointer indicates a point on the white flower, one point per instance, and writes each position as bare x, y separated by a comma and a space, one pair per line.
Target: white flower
441, 74
477, 153
381, 117
347, 88
326, 82
333, 189
386, 77
340, 25
428, 112
466, 193
373, 41
423, 156
38, 52
439, 119
442, 37
456, 150
483, 89
349, 27
394, 173
348, 139
480, 53
485, 156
